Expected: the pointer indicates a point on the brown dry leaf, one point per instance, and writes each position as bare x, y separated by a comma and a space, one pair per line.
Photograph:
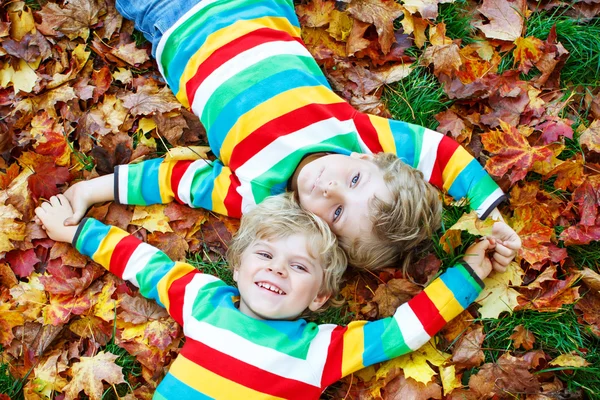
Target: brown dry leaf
591, 137
316, 13
74, 20
389, 296
467, 351
522, 337
138, 310
47, 375
510, 374
382, 14
131, 54
505, 19
427, 8
402, 388
10, 228
591, 278
148, 99
90, 372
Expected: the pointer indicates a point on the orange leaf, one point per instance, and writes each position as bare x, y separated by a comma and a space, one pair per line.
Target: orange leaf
8, 320
467, 352
389, 296
528, 52
522, 338
512, 152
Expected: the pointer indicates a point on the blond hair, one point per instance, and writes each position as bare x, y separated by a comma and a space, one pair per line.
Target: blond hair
280, 216
402, 227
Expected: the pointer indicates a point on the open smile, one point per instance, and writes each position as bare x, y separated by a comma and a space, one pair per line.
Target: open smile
270, 287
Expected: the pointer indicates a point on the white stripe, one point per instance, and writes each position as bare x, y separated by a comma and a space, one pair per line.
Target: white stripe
265, 358
431, 140
319, 348
123, 174
191, 292
495, 195
184, 191
163, 40
412, 330
138, 261
281, 148
238, 64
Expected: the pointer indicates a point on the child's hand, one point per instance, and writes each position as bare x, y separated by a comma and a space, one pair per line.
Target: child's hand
507, 244
52, 215
79, 196
477, 258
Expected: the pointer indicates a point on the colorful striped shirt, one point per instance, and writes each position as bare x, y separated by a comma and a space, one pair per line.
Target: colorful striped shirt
229, 355
241, 66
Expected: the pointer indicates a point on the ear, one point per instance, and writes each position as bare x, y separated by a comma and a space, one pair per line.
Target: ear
235, 274
319, 301
362, 156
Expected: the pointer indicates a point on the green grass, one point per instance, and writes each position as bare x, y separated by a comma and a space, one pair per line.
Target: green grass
10, 385
131, 368
216, 268
458, 21
417, 98
450, 215
35, 5
555, 333
139, 38
586, 255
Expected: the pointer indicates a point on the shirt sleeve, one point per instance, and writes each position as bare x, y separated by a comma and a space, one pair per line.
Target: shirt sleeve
363, 343
197, 183
174, 285
443, 161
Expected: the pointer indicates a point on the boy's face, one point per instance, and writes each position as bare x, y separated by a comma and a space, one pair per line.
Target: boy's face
279, 279
339, 188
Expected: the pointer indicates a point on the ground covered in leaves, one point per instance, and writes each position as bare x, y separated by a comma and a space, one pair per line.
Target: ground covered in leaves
515, 81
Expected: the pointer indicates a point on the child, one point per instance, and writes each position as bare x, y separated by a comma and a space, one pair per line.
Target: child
274, 123
285, 261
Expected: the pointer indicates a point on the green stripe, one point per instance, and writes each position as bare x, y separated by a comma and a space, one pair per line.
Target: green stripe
135, 177
481, 191
394, 344
417, 135
251, 76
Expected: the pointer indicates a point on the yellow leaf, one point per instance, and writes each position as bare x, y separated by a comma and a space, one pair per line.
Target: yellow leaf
569, 360
416, 364
89, 373
23, 78
152, 218
132, 332
10, 228
188, 153
8, 320
105, 307
147, 124
498, 296
468, 222
21, 20
340, 25
47, 376
449, 379
30, 297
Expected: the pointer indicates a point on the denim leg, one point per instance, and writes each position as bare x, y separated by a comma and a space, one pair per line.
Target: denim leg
154, 17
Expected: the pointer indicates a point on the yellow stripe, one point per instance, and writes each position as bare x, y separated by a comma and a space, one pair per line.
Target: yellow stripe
211, 384
179, 269
273, 108
220, 189
384, 133
164, 178
456, 164
223, 36
354, 347
107, 246
444, 301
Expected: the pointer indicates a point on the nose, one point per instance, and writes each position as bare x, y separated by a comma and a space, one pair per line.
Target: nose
277, 267
331, 189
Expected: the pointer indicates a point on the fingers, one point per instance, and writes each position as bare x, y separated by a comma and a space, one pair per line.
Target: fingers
498, 267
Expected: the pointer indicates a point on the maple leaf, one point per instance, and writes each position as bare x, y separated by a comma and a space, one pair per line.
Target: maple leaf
512, 152
402, 388
102, 80
7, 177
77, 61
130, 54
498, 295
468, 222
591, 137
415, 365
29, 297
591, 278
170, 243
8, 320
149, 99
47, 375
7, 276
587, 198
152, 218
569, 173
569, 360
451, 123
108, 116
138, 310
341, 25
580, 234
427, 8
535, 238
44, 181
21, 20
547, 294
467, 351
382, 14
161, 333
510, 374
589, 307
89, 373
389, 296
170, 127
10, 228
90, 326
22, 262
522, 337
505, 19
316, 13
74, 20
553, 127
551, 62
527, 52
62, 308
449, 379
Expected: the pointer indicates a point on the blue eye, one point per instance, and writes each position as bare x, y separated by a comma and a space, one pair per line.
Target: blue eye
355, 180
299, 267
337, 213
264, 255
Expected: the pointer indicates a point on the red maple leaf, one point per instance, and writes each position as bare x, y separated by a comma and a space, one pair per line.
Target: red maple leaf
22, 262
43, 183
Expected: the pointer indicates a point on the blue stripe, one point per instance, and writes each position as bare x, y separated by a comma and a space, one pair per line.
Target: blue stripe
462, 289
150, 189
190, 37
159, 265
404, 141
204, 184
91, 236
173, 388
374, 352
466, 179
254, 96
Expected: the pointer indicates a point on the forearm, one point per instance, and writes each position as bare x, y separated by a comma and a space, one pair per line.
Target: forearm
101, 189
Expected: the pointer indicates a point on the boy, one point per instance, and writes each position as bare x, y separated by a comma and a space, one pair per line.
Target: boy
274, 123
285, 261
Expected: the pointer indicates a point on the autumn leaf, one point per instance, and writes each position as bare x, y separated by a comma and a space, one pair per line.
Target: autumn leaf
591, 278
510, 374
90, 372
569, 360
8, 320
382, 14
402, 388
316, 13
522, 337
389, 296
74, 20
10, 228
152, 218
22, 262
527, 52
498, 295
47, 375
505, 19
416, 364
149, 99
46, 178
467, 351
449, 379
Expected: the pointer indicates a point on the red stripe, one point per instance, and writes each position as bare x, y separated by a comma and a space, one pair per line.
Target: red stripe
233, 200
230, 50
122, 253
246, 374
445, 151
427, 313
176, 294
176, 175
286, 124
333, 366
367, 132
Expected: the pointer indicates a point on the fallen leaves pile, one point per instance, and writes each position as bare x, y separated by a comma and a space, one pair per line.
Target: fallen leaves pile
79, 96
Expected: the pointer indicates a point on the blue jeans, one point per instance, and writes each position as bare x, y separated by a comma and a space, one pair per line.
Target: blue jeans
154, 17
